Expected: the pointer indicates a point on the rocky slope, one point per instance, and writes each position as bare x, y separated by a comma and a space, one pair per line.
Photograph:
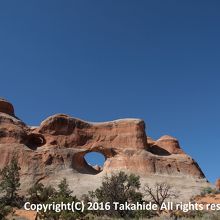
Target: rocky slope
57, 147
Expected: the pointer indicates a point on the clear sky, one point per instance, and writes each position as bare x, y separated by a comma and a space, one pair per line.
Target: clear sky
104, 60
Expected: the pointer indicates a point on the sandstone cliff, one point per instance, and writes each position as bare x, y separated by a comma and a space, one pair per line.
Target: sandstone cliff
56, 149
217, 184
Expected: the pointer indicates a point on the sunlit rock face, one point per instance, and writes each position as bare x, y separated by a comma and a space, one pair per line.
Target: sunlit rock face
56, 148
6, 107
217, 184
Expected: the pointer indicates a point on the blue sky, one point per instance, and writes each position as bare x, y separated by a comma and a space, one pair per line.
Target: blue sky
104, 60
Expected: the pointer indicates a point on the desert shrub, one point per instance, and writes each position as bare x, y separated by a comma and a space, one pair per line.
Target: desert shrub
205, 216
10, 183
207, 191
216, 191
38, 193
119, 187
193, 216
62, 195
4, 210
9, 186
214, 216
159, 193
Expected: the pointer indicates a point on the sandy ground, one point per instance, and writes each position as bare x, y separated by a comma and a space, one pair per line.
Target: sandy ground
21, 214
211, 199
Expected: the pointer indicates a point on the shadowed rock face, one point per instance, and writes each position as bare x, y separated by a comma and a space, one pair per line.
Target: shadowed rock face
60, 143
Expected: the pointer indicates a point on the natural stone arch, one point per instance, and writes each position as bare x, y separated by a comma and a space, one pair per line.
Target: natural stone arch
79, 163
66, 140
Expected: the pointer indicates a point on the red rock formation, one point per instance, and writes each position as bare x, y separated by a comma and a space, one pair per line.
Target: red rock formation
61, 142
6, 107
166, 145
217, 184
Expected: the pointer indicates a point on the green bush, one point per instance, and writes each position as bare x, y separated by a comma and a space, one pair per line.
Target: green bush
63, 194
119, 187
10, 183
9, 186
207, 191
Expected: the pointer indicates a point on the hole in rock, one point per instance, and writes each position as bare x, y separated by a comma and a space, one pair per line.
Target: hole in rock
95, 160
33, 141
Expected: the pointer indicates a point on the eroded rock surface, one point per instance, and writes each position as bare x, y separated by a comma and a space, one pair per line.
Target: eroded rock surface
6, 107
57, 147
217, 184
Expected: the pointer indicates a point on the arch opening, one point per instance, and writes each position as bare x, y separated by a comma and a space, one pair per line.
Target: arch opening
33, 141
95, 160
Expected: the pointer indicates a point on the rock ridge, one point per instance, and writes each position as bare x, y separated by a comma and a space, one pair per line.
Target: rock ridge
56, 148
